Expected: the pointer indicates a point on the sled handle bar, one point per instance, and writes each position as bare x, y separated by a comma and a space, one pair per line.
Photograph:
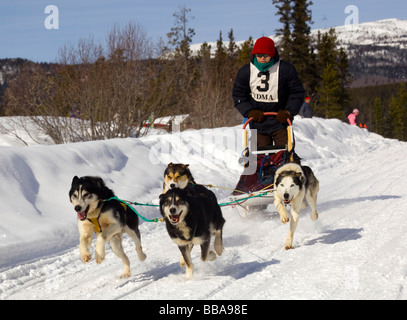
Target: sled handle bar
266, 114
290, 141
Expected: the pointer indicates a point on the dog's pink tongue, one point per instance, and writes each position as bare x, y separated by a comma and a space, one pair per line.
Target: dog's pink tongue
82, 215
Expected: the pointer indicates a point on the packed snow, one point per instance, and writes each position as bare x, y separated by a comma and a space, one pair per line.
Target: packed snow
355, 250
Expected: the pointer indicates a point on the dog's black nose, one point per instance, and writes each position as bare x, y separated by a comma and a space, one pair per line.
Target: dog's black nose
172, 185
78, 208
173, 210
286, 196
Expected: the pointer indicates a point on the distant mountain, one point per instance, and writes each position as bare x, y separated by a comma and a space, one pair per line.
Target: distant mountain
377, 51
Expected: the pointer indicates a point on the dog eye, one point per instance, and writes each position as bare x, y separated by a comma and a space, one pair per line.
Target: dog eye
292, 185
86, 194
281, 185
74, 196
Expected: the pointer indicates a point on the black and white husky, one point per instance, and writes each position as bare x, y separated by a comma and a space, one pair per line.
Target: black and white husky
192, 218
293, 185
109, 219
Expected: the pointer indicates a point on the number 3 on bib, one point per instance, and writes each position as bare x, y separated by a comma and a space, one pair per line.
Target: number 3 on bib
265, 77
264, 85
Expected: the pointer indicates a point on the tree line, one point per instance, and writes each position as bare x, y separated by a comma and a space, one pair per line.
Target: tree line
107, 90
383, 109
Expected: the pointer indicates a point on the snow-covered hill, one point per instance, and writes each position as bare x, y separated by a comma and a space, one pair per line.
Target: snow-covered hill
377, 50
388, 32
356, 250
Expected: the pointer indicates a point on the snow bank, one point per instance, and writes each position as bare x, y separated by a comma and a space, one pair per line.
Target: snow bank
355, 250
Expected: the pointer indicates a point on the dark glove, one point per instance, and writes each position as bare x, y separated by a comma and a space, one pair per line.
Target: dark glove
257, 115
283, 115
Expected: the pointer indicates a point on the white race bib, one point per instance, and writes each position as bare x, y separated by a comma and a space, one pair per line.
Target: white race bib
264, 85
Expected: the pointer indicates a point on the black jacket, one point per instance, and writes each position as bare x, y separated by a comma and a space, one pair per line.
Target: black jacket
290, 95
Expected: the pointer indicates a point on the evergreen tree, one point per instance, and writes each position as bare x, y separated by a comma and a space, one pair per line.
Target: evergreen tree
284, 10
345, 78
220, 59
232, 47
397, 112
301, 55
378, 117
181, 63
326, 46
403, 104
396, 121
204, 52
181, 35
244, 51
333, 87
295, 45
330, 93
220, 53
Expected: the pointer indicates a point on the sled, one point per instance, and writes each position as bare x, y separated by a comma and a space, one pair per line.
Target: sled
254, 191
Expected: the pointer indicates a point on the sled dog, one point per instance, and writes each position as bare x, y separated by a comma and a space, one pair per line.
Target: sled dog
192, 218
177, 175
293, 185
109, 219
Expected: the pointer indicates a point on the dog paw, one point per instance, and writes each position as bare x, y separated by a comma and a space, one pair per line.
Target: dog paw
284, 218
218, 245
314, 216
141, 256
99, 258
289, 243
86, 257
219, 249
126, 274
211, 256
182, 262
189, 272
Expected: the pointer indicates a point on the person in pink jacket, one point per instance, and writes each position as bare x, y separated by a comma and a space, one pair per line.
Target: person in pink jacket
352, 117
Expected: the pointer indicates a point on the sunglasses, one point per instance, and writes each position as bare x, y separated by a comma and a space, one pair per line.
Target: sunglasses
262, 55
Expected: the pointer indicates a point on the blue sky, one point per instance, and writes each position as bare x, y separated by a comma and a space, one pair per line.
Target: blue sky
23, 33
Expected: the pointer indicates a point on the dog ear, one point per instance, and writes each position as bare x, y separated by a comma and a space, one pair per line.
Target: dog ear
99, 182
185, 166
74, 179
300, 176
170, 165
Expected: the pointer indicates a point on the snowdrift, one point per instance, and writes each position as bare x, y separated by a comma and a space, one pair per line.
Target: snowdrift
355, 250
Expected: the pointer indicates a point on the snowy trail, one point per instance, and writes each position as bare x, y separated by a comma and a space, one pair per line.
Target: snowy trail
356, 250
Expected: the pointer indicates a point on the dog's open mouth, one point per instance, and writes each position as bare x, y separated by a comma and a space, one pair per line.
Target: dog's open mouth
175, 218
83, 214
287, 201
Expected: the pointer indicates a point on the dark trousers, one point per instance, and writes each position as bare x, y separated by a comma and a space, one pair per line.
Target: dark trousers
279, 137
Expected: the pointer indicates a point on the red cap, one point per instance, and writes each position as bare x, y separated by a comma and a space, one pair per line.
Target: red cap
264, 45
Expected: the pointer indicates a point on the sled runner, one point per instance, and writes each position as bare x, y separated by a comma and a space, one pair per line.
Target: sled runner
255, 188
